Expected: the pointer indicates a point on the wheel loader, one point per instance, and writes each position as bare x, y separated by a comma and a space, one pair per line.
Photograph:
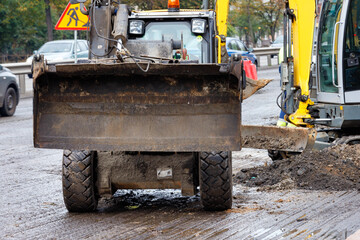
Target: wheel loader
156, 106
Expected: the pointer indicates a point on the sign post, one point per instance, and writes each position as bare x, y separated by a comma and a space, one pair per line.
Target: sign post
75, 45
73, 19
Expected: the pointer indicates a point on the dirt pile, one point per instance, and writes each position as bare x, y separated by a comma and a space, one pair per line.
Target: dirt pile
335, 168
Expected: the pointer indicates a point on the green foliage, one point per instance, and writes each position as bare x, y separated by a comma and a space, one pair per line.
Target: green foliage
270, 13
23, 22
161, 4
23, 25
18, 23
253, 19
242, 18
232, 31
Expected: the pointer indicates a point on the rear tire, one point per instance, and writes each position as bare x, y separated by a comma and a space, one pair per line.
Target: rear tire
10, 102
215, 180
78, 179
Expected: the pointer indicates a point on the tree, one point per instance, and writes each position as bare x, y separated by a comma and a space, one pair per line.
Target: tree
243, 21
161, 4
25, 25
270, 13
49, 20
254, 18
19, 25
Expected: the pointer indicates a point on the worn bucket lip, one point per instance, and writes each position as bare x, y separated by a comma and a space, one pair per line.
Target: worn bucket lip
161, 69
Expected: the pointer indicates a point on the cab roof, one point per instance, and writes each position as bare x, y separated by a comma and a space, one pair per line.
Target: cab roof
183, 13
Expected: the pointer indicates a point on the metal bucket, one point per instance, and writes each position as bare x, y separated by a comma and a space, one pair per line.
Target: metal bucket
108, 107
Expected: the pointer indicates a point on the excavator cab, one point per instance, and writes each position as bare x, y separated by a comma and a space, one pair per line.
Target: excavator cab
338, 65
330, 101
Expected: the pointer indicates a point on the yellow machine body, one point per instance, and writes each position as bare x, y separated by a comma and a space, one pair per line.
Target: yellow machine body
302, 41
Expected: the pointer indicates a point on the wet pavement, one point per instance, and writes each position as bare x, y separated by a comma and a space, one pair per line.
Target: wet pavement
31, 204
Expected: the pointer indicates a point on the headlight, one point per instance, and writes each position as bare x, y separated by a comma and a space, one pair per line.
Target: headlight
136, 27
198, 25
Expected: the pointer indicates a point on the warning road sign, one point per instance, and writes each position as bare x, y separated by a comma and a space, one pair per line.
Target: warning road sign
72, 19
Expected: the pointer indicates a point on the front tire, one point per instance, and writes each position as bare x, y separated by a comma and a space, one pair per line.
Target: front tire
215, 180
78, 180
10, 102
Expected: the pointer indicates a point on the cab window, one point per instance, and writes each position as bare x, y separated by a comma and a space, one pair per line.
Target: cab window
167, 31
352, 48
233, 45
241, 46
332, 10
82, 46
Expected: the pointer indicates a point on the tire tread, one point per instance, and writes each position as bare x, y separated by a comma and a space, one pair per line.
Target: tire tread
215, 180
78, 181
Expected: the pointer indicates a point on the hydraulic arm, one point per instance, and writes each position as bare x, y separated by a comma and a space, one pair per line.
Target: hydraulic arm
222, 12
300, 18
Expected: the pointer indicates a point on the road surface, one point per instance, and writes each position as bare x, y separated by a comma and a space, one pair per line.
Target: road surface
31, 205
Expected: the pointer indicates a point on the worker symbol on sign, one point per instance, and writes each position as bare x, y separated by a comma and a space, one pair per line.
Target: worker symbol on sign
73, 16
73, 19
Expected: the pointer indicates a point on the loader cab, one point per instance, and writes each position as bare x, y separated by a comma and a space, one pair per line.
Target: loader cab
194, 30
338, 78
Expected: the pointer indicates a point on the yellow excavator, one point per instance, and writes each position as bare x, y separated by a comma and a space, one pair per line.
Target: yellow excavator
320, 77
158, 104
320, 72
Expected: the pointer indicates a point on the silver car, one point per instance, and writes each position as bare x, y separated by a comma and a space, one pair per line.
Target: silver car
62, 50
9, 92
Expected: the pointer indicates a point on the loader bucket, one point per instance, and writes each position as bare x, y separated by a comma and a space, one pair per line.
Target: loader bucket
107, 107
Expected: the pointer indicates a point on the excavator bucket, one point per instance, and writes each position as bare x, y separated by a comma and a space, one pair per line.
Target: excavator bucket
118, 106
278, 138
252, 86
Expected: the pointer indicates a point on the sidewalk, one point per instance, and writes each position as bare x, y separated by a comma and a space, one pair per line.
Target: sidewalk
28, 94
28, 88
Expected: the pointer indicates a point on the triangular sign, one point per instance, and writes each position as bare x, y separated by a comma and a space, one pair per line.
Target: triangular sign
73, 19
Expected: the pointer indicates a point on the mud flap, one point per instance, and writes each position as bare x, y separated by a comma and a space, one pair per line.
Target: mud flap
106, 107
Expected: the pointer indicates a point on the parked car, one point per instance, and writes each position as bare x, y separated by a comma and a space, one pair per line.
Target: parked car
278, 43
234, 45
9, 92
62, 50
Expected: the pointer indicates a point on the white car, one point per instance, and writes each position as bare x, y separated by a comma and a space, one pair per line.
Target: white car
62, 50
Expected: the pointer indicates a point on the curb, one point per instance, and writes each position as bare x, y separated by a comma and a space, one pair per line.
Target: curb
26, 95
268, 67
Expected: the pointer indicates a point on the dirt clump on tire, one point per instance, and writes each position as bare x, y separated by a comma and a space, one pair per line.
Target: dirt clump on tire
335, 168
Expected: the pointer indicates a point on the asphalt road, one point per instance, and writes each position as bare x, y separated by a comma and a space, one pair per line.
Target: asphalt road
31, 205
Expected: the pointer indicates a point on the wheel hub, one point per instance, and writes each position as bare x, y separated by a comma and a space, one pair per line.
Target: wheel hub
10, 101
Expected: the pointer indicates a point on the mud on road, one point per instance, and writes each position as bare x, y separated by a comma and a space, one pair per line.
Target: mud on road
336, 168
31, 204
